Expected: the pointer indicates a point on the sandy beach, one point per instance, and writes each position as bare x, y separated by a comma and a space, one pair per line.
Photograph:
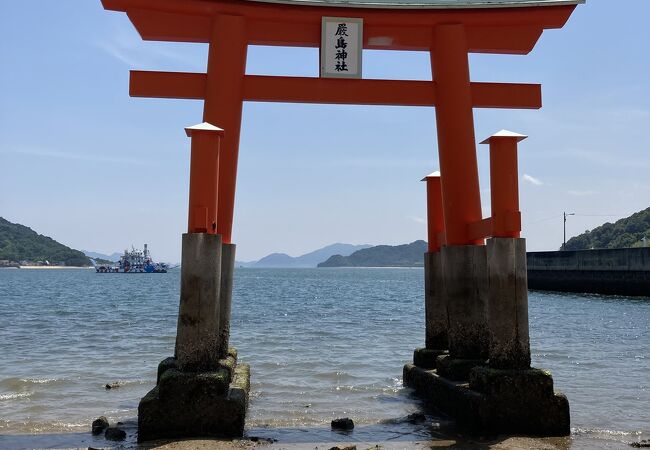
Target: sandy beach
505, 443
322, 438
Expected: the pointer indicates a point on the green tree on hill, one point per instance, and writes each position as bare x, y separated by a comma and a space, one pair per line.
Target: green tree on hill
624, 233
21, 243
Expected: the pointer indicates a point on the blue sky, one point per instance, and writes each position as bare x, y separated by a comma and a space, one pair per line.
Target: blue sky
82, 162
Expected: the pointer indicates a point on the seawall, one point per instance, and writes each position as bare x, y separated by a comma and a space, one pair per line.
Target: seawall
623, 271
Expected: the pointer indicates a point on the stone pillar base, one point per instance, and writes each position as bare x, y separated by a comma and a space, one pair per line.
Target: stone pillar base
455, 369
465, 290
426, 358
194, 404
496, 401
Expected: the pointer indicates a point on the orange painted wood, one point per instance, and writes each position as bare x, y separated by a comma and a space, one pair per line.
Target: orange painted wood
494, 226
480, 229
435, 219
507, 95
515, 40
543, 16
164, 26
347, 91
506, 224
504, 186
455, 126
167, 84
204, 182
322, 90
223, 107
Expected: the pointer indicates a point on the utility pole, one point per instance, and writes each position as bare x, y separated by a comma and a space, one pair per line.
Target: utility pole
566, 214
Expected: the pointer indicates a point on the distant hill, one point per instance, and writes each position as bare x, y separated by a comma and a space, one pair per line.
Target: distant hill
406, 255
113, 257
311, 259
628, 232
20, 243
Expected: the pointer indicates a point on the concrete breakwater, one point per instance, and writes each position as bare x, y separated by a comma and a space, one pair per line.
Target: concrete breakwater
624, 271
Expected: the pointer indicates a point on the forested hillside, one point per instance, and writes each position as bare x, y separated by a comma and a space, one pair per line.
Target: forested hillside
628, 232
407, 255
21, 243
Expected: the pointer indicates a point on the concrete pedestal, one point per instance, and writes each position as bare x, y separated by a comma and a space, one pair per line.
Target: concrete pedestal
197, 338
496, 401
225, 296
435, 305
201, 391
485, 291
508, 304
464, 270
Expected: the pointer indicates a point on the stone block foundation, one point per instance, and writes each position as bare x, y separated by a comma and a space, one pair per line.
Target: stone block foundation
477, 297
496, 401
193, 404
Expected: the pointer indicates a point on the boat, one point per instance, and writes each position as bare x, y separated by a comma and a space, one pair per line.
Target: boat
134, 261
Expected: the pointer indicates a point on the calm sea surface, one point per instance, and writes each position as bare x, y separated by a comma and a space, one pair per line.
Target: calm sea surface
322, 343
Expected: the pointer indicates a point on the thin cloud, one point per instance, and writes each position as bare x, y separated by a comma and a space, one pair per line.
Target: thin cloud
532, 180
79, 157
581, 193
128, 48
417, 219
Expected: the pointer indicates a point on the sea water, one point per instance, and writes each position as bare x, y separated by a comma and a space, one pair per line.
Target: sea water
322, 344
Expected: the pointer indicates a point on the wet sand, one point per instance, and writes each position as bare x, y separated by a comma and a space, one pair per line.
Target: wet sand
501, 443
87, 441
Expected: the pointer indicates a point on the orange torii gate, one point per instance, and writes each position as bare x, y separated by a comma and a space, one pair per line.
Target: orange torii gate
449, 30
229, 26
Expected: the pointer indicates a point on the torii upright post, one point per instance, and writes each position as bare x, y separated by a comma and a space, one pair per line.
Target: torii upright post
435, 306
499, 391
508, 287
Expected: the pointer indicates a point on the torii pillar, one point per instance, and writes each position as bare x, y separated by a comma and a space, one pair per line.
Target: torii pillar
484, 290
435, 305
201, 390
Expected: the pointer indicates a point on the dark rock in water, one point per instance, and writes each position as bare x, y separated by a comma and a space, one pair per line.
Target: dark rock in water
342, 424
261, 439
645, 443
99, 425
115, 434
416, 418
112, 385
347, 447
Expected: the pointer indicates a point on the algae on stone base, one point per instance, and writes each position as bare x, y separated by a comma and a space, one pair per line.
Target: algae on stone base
193, 404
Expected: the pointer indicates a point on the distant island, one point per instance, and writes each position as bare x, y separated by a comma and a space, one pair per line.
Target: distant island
22, 246
308, 260
633, 231
101, 258
406, 255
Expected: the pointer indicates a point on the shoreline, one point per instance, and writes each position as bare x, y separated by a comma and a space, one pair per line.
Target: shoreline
271, 440
50, 267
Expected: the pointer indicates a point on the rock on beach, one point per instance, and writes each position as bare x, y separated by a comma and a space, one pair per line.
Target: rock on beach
345, 424
115, 434
99, 425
